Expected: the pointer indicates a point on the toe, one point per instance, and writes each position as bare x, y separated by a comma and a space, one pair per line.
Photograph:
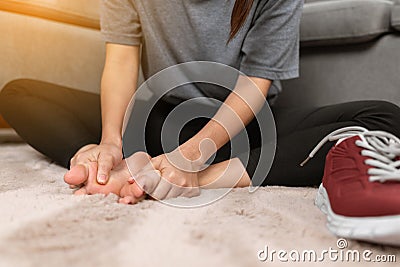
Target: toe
126, 200
136, 190
81, 191
131, 190
77, 175
131, 194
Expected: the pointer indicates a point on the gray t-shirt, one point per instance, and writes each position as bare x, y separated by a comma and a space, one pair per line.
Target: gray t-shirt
177, 31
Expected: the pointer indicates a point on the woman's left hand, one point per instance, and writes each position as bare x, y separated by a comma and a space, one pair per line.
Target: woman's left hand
168, 176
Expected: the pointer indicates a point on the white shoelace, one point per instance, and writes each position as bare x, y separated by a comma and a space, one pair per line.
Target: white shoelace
382, 147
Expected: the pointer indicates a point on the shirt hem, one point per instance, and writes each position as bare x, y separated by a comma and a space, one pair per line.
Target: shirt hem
270, 74
124, 40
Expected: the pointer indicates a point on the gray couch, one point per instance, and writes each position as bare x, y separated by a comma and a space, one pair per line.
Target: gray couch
349, 48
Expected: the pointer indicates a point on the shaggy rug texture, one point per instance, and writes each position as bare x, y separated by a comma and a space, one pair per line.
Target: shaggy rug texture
42, 224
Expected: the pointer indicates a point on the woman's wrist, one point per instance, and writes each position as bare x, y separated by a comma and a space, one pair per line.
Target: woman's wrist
198, 151
190, 152
115, 140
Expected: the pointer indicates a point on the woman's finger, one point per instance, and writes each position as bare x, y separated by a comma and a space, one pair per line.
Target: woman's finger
91, 180
131, 190
137, 162
148, 181
176, 191
80, 155
105, 164
144, 172
162, 189
81, 158
145, 169
191, 192
150, 165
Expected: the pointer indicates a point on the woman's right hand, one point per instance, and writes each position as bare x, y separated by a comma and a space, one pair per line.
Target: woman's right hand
106, 155
118, 84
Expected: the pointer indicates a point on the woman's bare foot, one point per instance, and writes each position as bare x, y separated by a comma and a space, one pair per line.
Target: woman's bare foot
118, 181
230, 173
78, 174
227, 174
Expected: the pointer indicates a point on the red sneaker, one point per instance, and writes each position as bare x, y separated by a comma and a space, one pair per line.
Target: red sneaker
360, 190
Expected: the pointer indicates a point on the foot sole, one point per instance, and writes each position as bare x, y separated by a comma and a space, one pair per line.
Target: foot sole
382, 229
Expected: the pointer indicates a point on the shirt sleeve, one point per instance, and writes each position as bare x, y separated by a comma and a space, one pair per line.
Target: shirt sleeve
271, 47
120, 22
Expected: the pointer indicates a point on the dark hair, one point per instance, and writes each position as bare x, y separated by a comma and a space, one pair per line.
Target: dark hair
240, 11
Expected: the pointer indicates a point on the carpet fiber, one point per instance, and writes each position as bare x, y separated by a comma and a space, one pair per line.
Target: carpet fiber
42, 224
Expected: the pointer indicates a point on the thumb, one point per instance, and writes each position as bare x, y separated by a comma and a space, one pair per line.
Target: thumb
148, 166
105, 164
137, 162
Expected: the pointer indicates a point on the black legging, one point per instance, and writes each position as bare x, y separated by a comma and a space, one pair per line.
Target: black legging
57, 121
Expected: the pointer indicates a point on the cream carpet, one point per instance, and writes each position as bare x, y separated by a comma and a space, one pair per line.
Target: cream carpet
42, 224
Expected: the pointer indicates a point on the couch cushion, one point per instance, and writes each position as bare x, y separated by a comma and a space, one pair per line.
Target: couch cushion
344, 21
396, 15
79, 12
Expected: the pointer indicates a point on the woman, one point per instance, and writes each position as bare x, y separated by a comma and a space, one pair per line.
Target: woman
258, 37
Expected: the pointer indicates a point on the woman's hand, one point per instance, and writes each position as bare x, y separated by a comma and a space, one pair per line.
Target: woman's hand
168, 176
106, 155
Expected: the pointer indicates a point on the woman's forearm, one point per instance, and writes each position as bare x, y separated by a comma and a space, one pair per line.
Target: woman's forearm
237, 111
118, 84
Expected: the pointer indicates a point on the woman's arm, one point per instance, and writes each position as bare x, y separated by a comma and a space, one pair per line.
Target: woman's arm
118, 84
177, 173
237, 111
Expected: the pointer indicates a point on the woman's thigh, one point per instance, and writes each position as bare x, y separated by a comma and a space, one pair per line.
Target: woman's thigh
53, 119
300, 129
371, 114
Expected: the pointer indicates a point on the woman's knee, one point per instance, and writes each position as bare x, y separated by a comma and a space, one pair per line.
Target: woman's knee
386, 106
8, 94
13, 95
15, 88
386, 110
384, 115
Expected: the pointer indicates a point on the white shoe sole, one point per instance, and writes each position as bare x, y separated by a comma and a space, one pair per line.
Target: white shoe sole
382, 230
